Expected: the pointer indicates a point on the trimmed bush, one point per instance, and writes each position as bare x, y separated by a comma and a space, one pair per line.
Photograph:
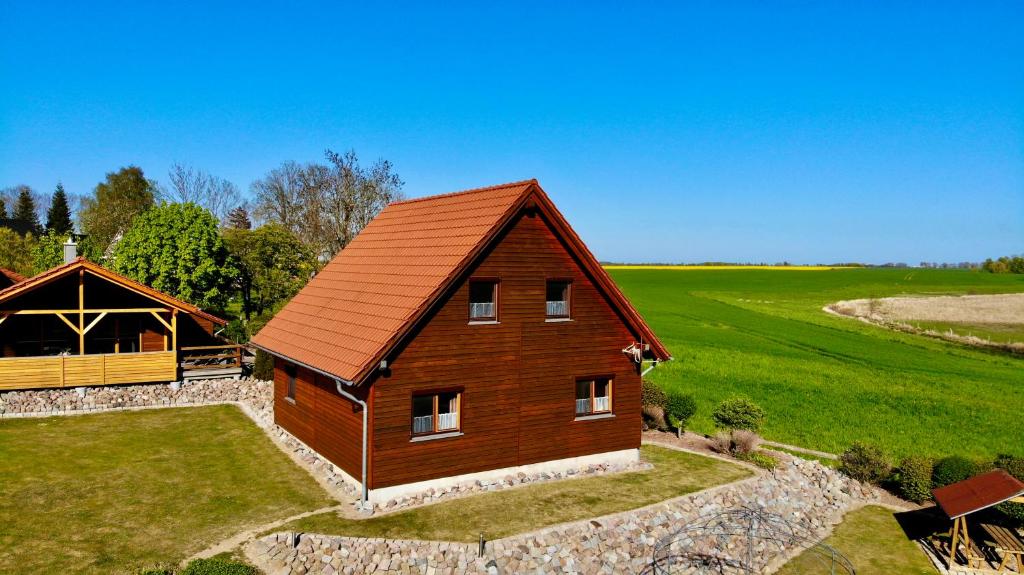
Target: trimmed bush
865, 463
736, 442
679, 408
651, 394
952, 469
263, 367
218, 567
738, 413
1015, 467
914, 479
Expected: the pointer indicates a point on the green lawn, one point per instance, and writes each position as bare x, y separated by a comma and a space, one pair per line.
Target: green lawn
874, 542
827, 381
505, 513
114, 492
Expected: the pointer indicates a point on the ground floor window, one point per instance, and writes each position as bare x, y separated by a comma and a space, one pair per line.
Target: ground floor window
593, 395
436, 412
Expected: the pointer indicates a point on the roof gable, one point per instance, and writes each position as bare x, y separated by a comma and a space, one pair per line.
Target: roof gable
373, 293
78, 264
9, 277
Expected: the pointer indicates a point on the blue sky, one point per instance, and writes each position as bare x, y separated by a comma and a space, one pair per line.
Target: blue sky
808, 132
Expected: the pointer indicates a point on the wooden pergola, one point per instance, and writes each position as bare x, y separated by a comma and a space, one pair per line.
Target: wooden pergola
963, 498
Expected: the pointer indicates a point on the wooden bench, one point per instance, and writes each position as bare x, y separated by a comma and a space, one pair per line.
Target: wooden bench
1006, 544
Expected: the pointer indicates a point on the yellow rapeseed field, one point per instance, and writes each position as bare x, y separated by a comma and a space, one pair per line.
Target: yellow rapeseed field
781, 268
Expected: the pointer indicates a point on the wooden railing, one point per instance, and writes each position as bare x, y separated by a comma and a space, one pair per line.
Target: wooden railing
202, 357
83, 370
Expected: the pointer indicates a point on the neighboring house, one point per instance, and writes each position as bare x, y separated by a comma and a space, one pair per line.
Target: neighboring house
459, 337
80, 324
9, 278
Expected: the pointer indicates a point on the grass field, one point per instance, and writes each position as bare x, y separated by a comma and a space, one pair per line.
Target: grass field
874, 542
826, 381
504, 513
116, 492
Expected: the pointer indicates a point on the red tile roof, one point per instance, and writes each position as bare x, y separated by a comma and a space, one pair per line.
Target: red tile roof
977, 493
12, 276
348, 317
81, 263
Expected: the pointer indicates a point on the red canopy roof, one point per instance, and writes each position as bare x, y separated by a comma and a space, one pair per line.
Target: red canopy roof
977, 493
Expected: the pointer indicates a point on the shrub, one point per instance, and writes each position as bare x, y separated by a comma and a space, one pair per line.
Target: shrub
679, 408
951, 469
654, 417
738, 413
865, 463
914, 479
263, 366
1015, 467
218, 567
736, 442
651, 394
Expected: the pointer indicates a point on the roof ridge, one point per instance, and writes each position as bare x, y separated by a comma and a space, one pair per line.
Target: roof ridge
463, 192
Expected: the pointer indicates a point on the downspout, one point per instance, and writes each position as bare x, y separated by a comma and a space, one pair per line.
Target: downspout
341, 391
338, 382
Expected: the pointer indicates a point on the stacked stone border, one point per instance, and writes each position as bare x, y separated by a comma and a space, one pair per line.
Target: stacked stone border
800, 490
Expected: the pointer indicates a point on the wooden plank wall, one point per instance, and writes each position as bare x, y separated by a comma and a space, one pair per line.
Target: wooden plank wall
81, 370
320, 418
518, 376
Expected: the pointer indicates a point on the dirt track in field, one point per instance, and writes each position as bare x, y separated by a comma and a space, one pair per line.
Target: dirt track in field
972, 309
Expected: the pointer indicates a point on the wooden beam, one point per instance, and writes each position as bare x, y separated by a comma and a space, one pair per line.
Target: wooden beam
81, 312
95, 321
3, 317
1018, 499
100, 310
174, 329
161, 320
69, 322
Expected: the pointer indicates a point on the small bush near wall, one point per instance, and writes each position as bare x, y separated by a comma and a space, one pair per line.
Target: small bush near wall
651, 394
679, 408
865, 463
218, 567
263, 367
914, 479
1015, 467
654, 418
738, 413
952, 469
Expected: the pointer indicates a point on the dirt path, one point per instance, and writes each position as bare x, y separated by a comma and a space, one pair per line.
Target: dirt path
233, 542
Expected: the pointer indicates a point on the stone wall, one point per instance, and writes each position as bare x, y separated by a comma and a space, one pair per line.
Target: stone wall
803, 491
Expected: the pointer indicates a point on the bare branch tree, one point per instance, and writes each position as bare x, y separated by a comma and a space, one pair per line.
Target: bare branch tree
189, 185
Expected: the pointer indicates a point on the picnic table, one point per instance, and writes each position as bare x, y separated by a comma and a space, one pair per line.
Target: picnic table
1007, 544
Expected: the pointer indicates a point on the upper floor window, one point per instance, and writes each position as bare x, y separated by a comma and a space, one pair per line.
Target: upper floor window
483, 300
436, 412
291, 372
593, 396
557, 299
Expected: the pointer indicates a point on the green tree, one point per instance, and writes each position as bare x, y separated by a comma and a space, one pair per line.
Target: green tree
238, 219
273, 265
58, 218
25, 209
16, 251
3, 209
114, 205
48, 251
177, 249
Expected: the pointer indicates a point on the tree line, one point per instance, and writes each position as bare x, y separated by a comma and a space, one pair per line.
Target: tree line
199, 239
1004, 265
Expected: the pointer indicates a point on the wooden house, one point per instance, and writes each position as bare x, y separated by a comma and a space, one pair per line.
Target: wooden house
461, 336
80, 324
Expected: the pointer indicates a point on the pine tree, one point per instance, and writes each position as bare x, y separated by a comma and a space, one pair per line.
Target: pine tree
3, 209
25, 210
58, 218
238, 219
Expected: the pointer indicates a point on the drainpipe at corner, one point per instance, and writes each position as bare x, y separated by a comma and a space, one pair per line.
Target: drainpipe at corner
341, 391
